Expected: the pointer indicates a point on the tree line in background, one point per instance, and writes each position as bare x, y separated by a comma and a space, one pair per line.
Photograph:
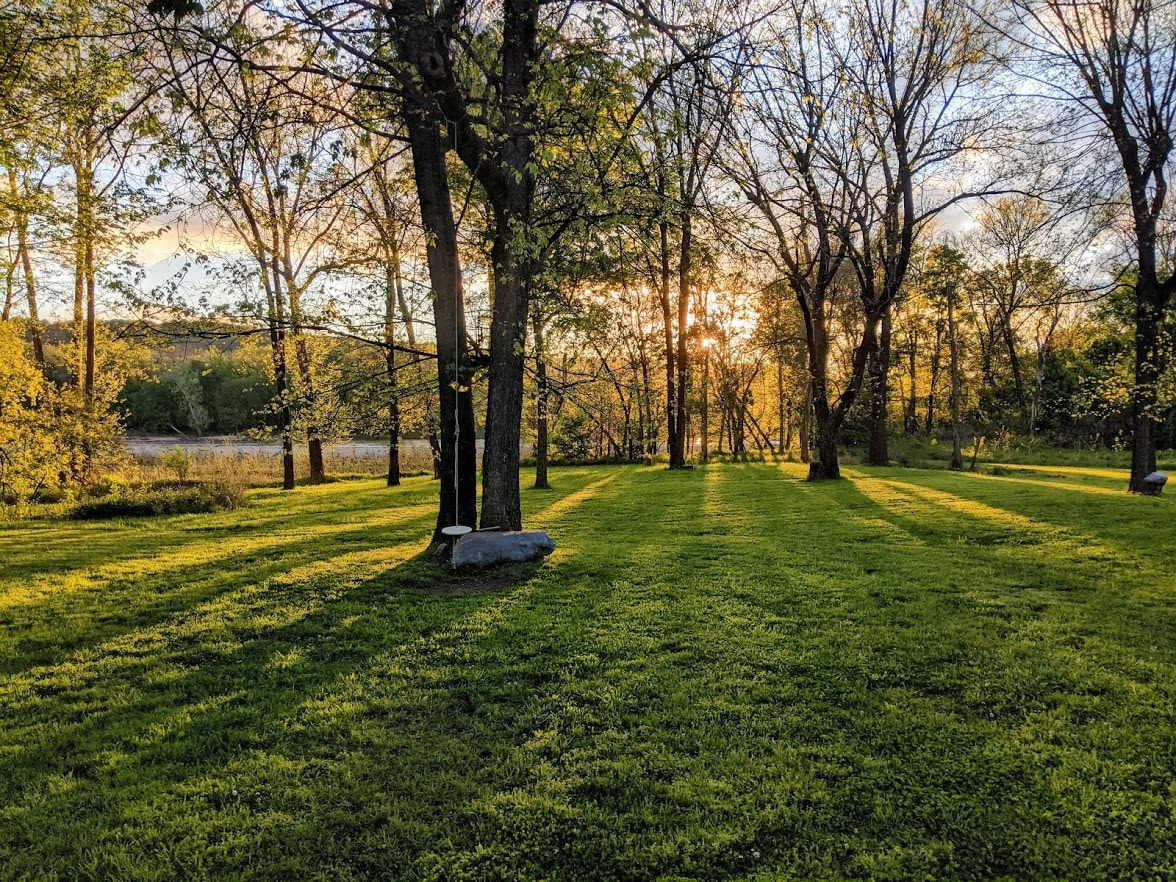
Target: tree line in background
608, 229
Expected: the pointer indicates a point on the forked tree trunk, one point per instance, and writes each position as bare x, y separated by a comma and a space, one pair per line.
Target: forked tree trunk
825, 465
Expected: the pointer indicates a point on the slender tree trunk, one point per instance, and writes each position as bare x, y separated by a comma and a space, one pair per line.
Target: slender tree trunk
649, 438
957, 461
9, 290
541, 401
880, 392
278, 352
912, 418
91, 324
933, 389
704, 414
431, 436
672, 430
30, 283
1006, 332
1038, 384
309, 396
678, 450
20, 223
806, 424
277, 334
782, 421
78, 362
392, 286
739, 448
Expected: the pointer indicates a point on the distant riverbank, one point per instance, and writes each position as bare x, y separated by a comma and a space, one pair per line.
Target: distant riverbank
150, 446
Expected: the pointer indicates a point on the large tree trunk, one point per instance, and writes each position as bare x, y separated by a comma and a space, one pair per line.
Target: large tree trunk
1148, 366
510, 186
458, 446
825, 465
501, 504
829, 416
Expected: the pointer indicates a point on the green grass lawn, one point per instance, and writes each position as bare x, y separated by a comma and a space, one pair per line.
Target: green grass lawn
726, 673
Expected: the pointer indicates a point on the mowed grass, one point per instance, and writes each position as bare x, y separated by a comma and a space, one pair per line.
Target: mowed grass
726, 673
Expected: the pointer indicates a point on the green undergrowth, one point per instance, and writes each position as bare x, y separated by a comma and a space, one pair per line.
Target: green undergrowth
721, 673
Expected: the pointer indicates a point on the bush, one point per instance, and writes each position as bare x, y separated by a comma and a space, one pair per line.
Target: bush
179, 461
572, 437
161, 499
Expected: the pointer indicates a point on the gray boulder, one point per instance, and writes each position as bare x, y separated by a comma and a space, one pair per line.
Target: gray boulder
1153, 484
483, 548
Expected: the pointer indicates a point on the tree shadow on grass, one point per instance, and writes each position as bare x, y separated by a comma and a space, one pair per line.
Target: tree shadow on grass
674, 694
57, 548
941, 694
46, 630
284, 730
137, 729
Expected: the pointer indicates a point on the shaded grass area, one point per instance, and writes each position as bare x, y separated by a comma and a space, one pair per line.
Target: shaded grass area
726, 673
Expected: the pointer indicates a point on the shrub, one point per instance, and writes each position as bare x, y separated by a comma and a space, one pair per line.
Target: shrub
161, 499
572, 437
179, 461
